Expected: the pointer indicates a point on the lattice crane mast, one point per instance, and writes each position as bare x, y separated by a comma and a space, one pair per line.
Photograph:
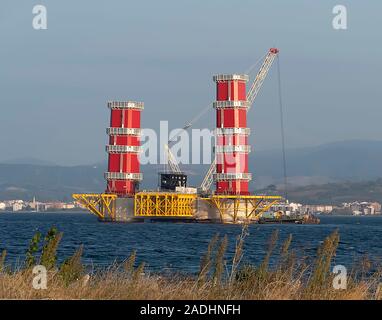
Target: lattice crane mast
173, 164
171, 160
261, 75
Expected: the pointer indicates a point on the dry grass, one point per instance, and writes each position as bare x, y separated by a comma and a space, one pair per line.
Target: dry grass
291, 278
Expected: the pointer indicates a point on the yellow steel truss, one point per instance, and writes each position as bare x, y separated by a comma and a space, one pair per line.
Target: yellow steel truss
170, 204
253, 206
102, 205
164, 204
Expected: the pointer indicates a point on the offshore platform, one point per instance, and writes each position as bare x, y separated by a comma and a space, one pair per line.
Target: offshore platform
230, 202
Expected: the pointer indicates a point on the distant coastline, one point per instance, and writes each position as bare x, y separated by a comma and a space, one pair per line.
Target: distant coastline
77, 210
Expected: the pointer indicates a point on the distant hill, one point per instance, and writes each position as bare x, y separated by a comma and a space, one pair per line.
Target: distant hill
339, 161
335, 193
349, 161
34, 161
333, 162
20, 181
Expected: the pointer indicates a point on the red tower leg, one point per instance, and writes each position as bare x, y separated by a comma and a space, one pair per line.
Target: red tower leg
123, 173
232, 150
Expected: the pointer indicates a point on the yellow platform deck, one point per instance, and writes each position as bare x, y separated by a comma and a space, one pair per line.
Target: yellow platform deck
218, 208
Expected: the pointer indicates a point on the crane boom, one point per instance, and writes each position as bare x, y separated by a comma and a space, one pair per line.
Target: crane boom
172, 161
261, 75
170, 157
208, 179
251, 96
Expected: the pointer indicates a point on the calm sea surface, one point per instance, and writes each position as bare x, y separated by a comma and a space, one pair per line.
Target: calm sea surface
179, 246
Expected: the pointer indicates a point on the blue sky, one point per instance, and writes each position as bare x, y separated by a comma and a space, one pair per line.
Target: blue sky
55, 83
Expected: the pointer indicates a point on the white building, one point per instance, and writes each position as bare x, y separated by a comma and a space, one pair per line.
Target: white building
69, 206
318, 208
2, 206
295, 206
17, 206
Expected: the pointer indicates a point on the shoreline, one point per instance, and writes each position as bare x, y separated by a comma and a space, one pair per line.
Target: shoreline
87, 212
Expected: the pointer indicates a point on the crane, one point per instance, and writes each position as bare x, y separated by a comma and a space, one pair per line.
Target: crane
261, 75
251, 96
173, 164
174, 177
171, 161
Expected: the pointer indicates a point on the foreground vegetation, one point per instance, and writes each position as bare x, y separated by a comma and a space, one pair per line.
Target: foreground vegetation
289, 278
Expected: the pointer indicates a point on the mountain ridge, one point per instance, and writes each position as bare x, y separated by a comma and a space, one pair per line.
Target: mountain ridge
352, 161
